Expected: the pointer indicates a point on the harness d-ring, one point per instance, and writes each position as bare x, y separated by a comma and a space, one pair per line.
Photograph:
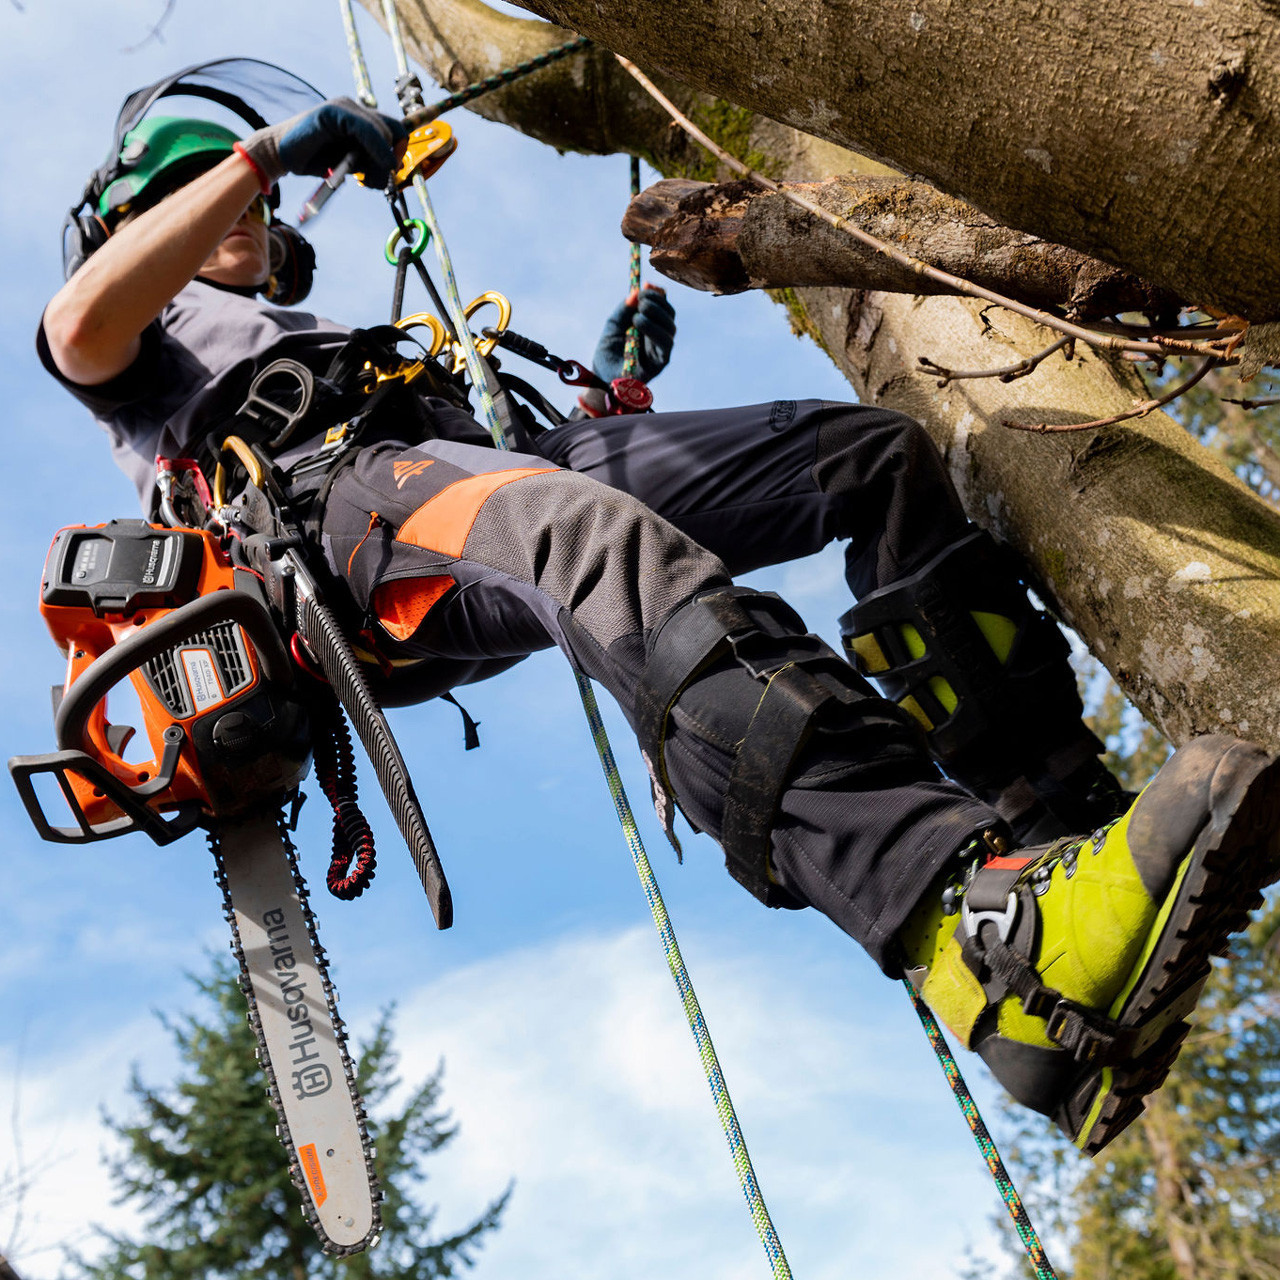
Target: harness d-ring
416, 249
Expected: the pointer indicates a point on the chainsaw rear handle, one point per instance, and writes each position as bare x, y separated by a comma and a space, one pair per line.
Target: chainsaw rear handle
117, 663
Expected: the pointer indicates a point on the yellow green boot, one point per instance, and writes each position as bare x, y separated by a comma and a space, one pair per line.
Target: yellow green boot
1071, 967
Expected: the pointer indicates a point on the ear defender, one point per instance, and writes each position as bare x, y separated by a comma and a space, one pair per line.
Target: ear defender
293, 266
82, 235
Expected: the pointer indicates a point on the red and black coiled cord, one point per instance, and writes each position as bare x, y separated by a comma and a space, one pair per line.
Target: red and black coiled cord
352, 866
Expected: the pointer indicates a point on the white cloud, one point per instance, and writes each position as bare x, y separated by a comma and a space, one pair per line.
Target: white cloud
570, 1069
54, 1141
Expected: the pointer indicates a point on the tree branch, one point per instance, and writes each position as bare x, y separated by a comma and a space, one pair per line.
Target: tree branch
950, 283
725, 238
993, 104
1138, 411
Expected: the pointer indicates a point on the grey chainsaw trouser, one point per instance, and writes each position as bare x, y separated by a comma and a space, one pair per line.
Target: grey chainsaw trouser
473, 558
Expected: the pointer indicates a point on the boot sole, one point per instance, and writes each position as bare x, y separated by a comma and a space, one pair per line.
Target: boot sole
1220, 885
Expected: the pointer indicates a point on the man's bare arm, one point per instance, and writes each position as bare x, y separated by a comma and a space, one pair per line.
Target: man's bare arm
94, 322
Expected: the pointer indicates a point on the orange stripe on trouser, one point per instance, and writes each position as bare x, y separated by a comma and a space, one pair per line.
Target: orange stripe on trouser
441, 524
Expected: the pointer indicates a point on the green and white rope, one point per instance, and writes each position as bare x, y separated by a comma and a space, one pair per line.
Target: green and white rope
364, 86
631, 358
480, 87
693, 1011
675, 961
1004, 1184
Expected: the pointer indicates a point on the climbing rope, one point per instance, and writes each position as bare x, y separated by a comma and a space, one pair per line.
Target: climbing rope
693, 1011
480, 87
480, 378
364, 86
631, 360
982, 1136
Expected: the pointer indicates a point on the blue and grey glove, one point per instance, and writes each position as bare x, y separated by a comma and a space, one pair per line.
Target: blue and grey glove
315, 141
655, 321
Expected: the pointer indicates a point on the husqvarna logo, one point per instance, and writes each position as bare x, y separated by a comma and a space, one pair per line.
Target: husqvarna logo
312, 1081
154, 551
311, 1075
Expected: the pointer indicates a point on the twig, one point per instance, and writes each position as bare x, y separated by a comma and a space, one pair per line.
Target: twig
1006, 373
1159, 346
1205, 329
1138, 411
156, 31
1251, 404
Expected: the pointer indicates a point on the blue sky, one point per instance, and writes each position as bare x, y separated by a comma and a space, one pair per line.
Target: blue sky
569, 1067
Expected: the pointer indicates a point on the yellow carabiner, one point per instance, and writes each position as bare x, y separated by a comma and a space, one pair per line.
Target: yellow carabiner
425, 320
483, 345
411, 369
247, 459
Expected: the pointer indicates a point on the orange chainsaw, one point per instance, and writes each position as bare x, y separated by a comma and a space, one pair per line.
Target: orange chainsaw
233, 714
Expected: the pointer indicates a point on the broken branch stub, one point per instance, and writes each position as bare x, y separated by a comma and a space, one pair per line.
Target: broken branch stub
728, 237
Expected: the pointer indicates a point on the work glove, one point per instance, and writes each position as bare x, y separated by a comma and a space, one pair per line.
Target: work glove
655, 321
314, 142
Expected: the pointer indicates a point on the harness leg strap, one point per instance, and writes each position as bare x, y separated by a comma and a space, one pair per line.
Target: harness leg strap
739, 666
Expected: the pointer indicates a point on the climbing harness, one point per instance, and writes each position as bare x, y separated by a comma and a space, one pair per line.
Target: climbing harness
482, 380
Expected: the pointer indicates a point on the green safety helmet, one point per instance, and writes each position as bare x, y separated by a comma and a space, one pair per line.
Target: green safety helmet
157, 156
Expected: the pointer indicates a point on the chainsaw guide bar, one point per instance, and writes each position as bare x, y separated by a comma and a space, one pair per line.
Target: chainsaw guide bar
301, 1039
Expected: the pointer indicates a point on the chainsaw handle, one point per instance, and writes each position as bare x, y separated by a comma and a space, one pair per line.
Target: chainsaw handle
109, 668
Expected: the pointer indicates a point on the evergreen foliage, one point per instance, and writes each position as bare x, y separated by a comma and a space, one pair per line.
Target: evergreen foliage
202, 1162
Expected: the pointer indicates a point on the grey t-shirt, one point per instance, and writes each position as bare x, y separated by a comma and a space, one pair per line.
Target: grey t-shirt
197, 360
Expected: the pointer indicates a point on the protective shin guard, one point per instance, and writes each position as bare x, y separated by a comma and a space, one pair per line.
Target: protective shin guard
960, 647
738, 666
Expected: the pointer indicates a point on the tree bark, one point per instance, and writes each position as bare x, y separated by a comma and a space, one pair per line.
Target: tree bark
727, 237
1146, 137
1163, 562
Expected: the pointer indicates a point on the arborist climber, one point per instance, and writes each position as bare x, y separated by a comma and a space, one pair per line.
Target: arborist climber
1058, 927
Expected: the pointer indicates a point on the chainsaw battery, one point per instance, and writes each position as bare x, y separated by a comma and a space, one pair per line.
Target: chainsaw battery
121, 567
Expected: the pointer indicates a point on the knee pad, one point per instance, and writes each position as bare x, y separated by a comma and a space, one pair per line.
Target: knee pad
959, 646
742, 668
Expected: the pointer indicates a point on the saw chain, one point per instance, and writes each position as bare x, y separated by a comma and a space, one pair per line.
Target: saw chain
302, 1044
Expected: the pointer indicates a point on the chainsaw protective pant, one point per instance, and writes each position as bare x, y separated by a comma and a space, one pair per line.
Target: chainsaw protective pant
470, 559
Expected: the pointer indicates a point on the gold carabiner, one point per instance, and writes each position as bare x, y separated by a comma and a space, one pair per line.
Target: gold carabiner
425, 320
483, 345
411, 369
248, 460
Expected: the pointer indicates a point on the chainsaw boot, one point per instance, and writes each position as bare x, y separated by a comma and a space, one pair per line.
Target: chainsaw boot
959, 645
1071, 967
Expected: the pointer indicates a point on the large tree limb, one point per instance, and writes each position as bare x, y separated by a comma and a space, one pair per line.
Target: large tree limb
1166, 565
728, 237
1146, 137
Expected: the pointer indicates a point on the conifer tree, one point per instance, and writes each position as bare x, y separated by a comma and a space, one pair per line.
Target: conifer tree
202, 1161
